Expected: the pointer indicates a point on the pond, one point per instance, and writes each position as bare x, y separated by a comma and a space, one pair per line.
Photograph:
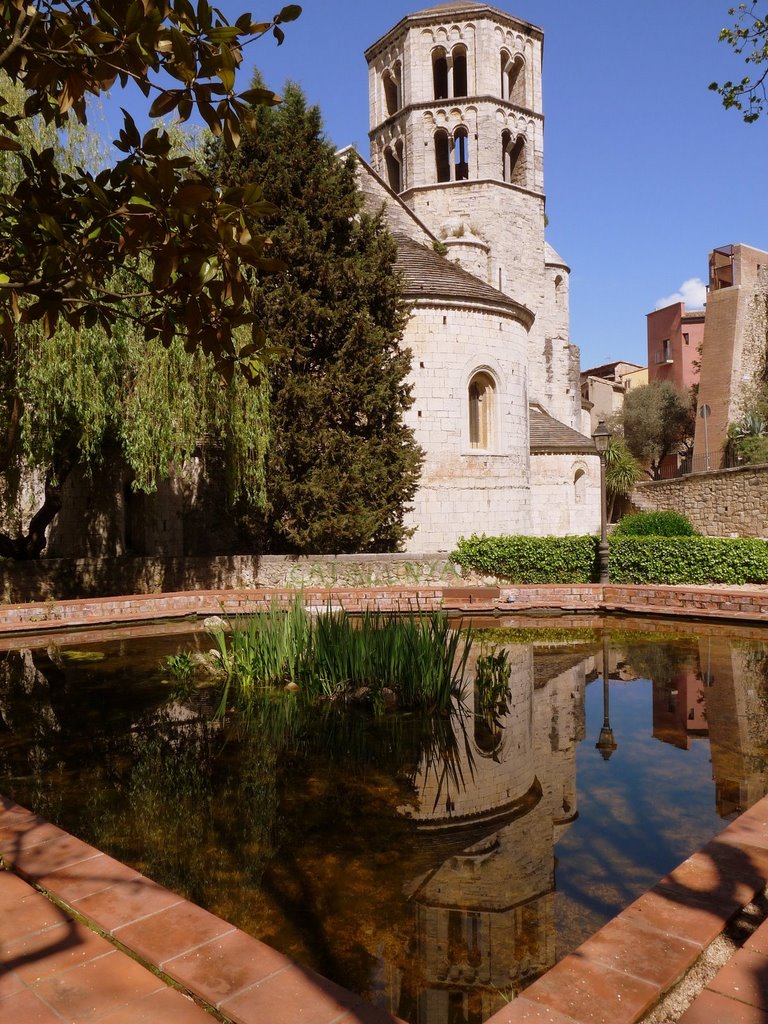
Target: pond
434, 865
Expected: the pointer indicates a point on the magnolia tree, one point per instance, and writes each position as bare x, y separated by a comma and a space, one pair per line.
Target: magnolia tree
65, 233
748, 35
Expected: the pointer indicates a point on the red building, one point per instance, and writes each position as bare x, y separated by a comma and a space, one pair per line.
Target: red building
674, 344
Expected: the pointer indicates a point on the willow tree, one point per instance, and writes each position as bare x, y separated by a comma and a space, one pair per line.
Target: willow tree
80, 394
342, 465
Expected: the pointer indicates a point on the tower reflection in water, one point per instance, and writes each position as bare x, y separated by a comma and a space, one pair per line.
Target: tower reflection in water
485, 912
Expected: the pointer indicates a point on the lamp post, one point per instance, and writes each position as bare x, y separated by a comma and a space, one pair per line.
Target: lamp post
606, 742
601, 437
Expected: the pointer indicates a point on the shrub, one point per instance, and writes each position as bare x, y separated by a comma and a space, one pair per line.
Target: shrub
688, 560
530, 559
655, 524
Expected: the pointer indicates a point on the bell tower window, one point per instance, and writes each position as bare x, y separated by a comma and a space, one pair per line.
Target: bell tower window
482, 397
393, 170
459, 56
442, 155
513, 157
440, 74
461, 154
391, 97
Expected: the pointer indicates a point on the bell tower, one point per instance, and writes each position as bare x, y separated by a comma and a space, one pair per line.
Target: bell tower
457, 131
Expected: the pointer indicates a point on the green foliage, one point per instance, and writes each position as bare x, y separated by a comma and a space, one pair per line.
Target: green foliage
530, 559
748, 37
70, 396
688, 560
664, 523
333, 656
66, 233
492, 691
181, 666
342, 466
658, 420
622, 471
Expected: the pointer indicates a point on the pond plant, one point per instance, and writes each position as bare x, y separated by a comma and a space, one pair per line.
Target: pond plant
413, 661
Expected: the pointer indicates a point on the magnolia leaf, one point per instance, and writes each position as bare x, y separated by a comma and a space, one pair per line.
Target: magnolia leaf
289, 13
9, 144
167, 101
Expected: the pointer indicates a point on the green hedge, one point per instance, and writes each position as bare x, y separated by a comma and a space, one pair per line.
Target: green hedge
664, 523
688, 560
530, 559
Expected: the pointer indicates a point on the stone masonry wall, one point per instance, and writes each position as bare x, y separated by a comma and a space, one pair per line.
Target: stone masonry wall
727, 503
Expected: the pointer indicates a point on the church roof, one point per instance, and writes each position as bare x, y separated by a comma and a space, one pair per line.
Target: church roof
548, 435
552, 257
427, 275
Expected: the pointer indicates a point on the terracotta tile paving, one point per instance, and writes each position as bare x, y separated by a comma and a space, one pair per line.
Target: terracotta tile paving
523, 1011
89, 991
172, 932
85, 878
591, 993
45, 953
676, 916
711, 1008
166, 1007
222, 968
24, 1007
745, 978
129, 900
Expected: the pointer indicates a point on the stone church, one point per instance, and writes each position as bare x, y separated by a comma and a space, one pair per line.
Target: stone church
457, 161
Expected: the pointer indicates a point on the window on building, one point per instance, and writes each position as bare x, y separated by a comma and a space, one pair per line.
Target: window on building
461, 154
442, 155
513, 78
579, 486
482, 394
666, 351
440, 74
513, 154
459, 56
686, 338
393, 169
391, 98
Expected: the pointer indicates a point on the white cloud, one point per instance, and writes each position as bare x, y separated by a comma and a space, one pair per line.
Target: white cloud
693, 293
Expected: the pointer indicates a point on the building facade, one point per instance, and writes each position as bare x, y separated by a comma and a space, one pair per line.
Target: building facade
675, 338
457, 162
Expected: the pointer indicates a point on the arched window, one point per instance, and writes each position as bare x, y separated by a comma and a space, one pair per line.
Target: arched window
459, 56
517, 82
461, 154
505, 62
559, 291
391, 98
393, 169
513, 155
481, 395
440, 73
442, 155
579, 486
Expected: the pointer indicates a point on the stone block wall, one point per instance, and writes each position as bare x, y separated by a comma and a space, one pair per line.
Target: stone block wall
726, 503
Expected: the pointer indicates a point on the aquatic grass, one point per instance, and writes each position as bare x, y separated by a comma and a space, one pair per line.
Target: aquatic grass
334, 656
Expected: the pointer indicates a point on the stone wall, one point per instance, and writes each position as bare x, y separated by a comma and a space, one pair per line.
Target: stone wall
67, 578
565, 495
726, 503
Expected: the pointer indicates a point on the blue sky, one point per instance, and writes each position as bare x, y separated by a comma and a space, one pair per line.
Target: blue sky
644, 170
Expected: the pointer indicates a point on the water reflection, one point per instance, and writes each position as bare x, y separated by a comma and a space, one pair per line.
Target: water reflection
437, 866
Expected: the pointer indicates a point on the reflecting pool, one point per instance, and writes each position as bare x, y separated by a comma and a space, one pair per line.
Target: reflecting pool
437, 866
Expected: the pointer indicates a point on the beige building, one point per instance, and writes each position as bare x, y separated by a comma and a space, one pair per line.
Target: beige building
603, 389
457, 162
734, 348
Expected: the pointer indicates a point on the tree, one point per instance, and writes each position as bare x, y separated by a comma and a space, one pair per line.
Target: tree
657, 420
622, 472
64, 234
748, 36
341, 466
69, 398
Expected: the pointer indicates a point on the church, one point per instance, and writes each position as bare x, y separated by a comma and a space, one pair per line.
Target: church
457, 163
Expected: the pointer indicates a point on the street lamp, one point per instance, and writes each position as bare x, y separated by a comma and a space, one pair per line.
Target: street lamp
606, 742
602, 437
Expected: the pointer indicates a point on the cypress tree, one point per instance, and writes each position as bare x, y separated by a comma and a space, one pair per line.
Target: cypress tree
341, 464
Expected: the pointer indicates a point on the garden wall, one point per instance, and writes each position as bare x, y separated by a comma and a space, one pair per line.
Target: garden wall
725, 503
66, 578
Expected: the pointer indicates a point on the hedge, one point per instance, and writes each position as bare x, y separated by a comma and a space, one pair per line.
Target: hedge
688, 560
664, 523
530, 559
642, 560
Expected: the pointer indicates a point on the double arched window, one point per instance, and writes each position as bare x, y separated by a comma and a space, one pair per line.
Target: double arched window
393, 158
513, 78
513, 158
482, 411
449, 72
452, 155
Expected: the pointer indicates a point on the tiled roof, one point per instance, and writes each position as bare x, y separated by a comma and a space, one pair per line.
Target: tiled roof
550, 435
427, 275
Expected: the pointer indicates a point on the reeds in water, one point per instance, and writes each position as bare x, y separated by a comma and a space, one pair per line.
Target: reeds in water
414, 660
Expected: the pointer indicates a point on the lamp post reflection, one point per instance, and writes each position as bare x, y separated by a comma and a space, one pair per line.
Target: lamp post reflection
606, 742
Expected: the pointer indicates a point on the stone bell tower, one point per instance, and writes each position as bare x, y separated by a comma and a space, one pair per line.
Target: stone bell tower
457, 130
